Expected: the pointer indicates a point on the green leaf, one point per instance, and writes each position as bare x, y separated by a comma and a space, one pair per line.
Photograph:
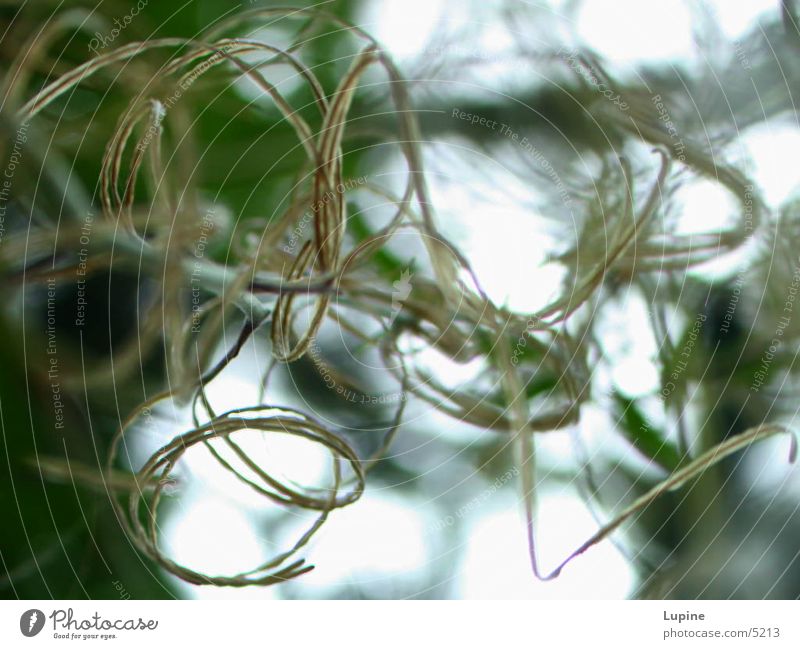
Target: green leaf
680, 365
389, 265
644, 437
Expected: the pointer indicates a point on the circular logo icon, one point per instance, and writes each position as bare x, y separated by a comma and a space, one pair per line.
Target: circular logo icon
31, 622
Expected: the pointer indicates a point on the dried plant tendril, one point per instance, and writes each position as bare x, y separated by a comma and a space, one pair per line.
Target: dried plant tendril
140, 518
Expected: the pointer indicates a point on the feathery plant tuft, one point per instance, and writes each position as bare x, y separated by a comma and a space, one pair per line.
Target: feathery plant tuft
284, 277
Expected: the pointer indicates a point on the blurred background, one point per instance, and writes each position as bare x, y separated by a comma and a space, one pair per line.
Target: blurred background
522, 129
